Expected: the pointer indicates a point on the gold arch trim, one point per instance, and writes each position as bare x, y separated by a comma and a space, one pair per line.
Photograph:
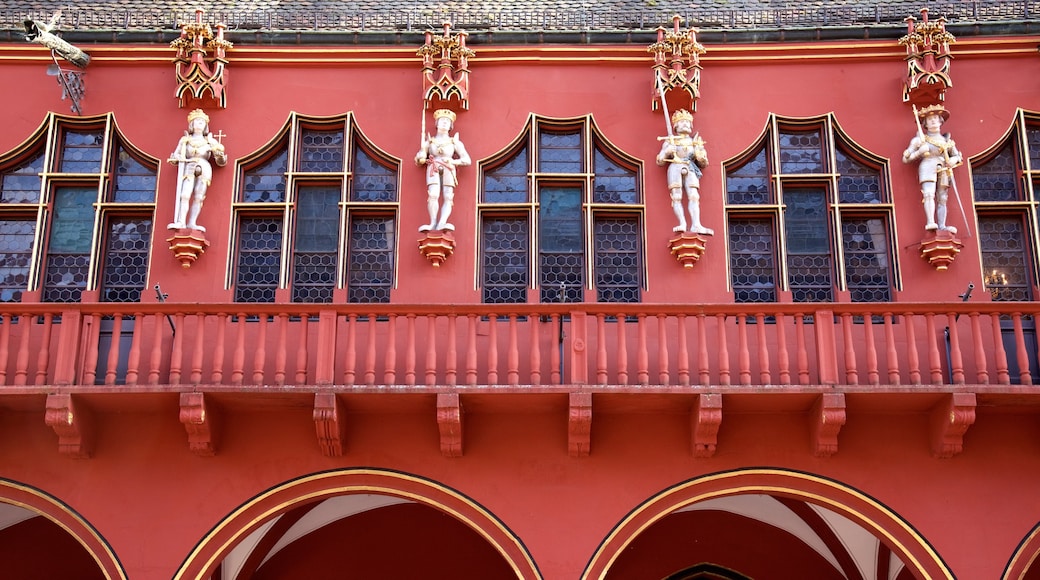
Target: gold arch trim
199, 553
663, 504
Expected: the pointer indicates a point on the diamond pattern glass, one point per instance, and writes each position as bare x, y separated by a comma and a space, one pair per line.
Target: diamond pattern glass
126, 259
616, 269
370, 266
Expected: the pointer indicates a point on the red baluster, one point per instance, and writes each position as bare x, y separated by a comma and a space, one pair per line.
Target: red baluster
218, 349
471, 352
999, 355
912, 360
622, 350
934, 359
281, 355
43, 357
956, 362
177, 354
390, 368
133, 360
409, 349
492, 351
198, 349
873, 375
431, 350
112, 364
802, 353
260, 351
554, 354
684, 353
782, 356
301, 350
601, 349
663, 374
981, 372
765, 377
90, 326
723, 352
1021, 351
155, 360
350, 356
703, 371
5, 346
512, 354
238, 356
370, 351
642, 355
451, 357
743, 354
890, 351
534, 325
851, 370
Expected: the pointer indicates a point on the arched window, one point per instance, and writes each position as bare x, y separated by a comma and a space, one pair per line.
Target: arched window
316, 212
561, 210
76, 216
808, 212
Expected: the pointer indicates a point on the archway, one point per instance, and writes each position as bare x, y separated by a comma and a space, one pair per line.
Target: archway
759, 522
380, 523
1025, 562
41, 537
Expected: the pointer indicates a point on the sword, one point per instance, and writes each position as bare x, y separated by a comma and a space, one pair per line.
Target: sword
664, 106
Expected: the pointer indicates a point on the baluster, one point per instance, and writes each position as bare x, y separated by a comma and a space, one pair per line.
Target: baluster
133, 360
409, 349
981, 372
370, 351
642, 355
956, 362
851, 370
554, 354
802, 354
22, 359
238, 355
301, 349
350, 357
431, 350
281, 355
1021, 352
5, 346
765, 377
663, 374
999, 354
534, 328
512, 354
155, 360
260, 351
622, 350
723, 353
198, 349
451, 357
112, 364
390, 367
471, 352
873, 375
91, 323
177, 354
782, 356
934, 359
684, 353
601, 349
912, 360
890, 349
218, 351
43, 357
743, 354
492, 351
703, 371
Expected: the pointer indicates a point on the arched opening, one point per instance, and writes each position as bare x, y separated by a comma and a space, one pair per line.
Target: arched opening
377, 523
40, 537
1025, 562
764, 523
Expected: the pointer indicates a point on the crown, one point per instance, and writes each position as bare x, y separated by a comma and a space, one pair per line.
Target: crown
682, 115
442, 113
925, 112
197, 114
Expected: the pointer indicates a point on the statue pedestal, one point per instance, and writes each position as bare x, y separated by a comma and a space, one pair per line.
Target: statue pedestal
187, 245
940, 248
437, 246
688, 248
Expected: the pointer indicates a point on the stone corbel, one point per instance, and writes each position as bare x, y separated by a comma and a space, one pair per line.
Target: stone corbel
950, 420
449, 421
940, 248
188, 245
437, 246
330, 424
199, 419
825, 422
73, 423
579, 424
705, 419
688, 248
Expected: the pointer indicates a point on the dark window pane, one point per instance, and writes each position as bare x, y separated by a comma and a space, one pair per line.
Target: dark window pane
370, 267
867, 272
1033, 143
126, 259
506, 266
259, 251
16, 243
749, 183
81, 152
68, 248
560, 152
752, 260
372, 180
801, 152
561, 256
1005, 257
321, 151
614, 183
22, 184
507, 183
617, 265
134, 183
266, 183
316, 239
995, 180
809, 267
857, 182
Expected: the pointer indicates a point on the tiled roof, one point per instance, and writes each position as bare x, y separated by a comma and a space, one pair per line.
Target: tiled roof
513, 15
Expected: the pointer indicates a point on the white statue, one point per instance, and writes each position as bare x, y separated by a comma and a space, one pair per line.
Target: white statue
194, 172
685, 155
936, 155
441, 154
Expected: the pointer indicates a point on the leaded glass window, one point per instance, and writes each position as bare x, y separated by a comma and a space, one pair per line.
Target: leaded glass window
320, 224
812, 217
561, 228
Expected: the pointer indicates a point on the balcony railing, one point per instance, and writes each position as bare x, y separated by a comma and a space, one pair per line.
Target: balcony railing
537, 345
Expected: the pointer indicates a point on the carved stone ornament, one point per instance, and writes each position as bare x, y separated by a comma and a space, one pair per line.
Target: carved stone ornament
940, 248
187, 246
688, 248
198, 74
70, 80
437, 246
927, 59
676, 64
445, 67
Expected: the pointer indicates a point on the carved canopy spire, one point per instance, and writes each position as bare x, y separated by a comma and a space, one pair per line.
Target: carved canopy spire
677, 64
928, 60
198, 75
447, 77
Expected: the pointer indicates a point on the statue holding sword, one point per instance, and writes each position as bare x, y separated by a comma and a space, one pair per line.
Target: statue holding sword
936, 155
684, 154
